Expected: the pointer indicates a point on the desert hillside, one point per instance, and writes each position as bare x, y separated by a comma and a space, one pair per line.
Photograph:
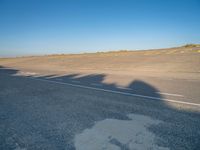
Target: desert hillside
182, 60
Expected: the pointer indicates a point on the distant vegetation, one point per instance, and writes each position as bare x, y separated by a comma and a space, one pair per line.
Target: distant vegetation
192, 45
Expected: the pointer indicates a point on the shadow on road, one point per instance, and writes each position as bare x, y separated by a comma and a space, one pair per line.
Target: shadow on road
43, 115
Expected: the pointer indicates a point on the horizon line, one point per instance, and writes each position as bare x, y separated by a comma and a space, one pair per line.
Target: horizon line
101, 51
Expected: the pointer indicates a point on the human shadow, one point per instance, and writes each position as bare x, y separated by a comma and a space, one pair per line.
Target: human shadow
52, 114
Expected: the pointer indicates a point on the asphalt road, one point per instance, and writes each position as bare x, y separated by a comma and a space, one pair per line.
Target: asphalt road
69, 113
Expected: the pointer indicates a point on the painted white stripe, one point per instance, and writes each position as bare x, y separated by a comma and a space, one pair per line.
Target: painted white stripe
28, 73
118, 92
96, 84
170, 94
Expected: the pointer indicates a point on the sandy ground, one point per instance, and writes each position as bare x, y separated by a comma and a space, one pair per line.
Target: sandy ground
180, 63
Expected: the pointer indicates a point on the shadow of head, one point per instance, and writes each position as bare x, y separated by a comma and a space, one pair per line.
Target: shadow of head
143, 88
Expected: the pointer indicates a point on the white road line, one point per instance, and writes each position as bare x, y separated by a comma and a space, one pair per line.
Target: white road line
28, 73
117, 92
170, 94
96, 84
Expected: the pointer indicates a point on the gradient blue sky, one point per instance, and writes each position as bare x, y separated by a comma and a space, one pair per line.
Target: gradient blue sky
34, 27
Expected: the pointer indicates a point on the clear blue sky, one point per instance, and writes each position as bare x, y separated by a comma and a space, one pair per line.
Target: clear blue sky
34, 27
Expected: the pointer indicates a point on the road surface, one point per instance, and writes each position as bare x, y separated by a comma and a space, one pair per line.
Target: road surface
70, 112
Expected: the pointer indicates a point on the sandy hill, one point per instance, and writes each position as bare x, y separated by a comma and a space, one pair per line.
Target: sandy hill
182, 60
